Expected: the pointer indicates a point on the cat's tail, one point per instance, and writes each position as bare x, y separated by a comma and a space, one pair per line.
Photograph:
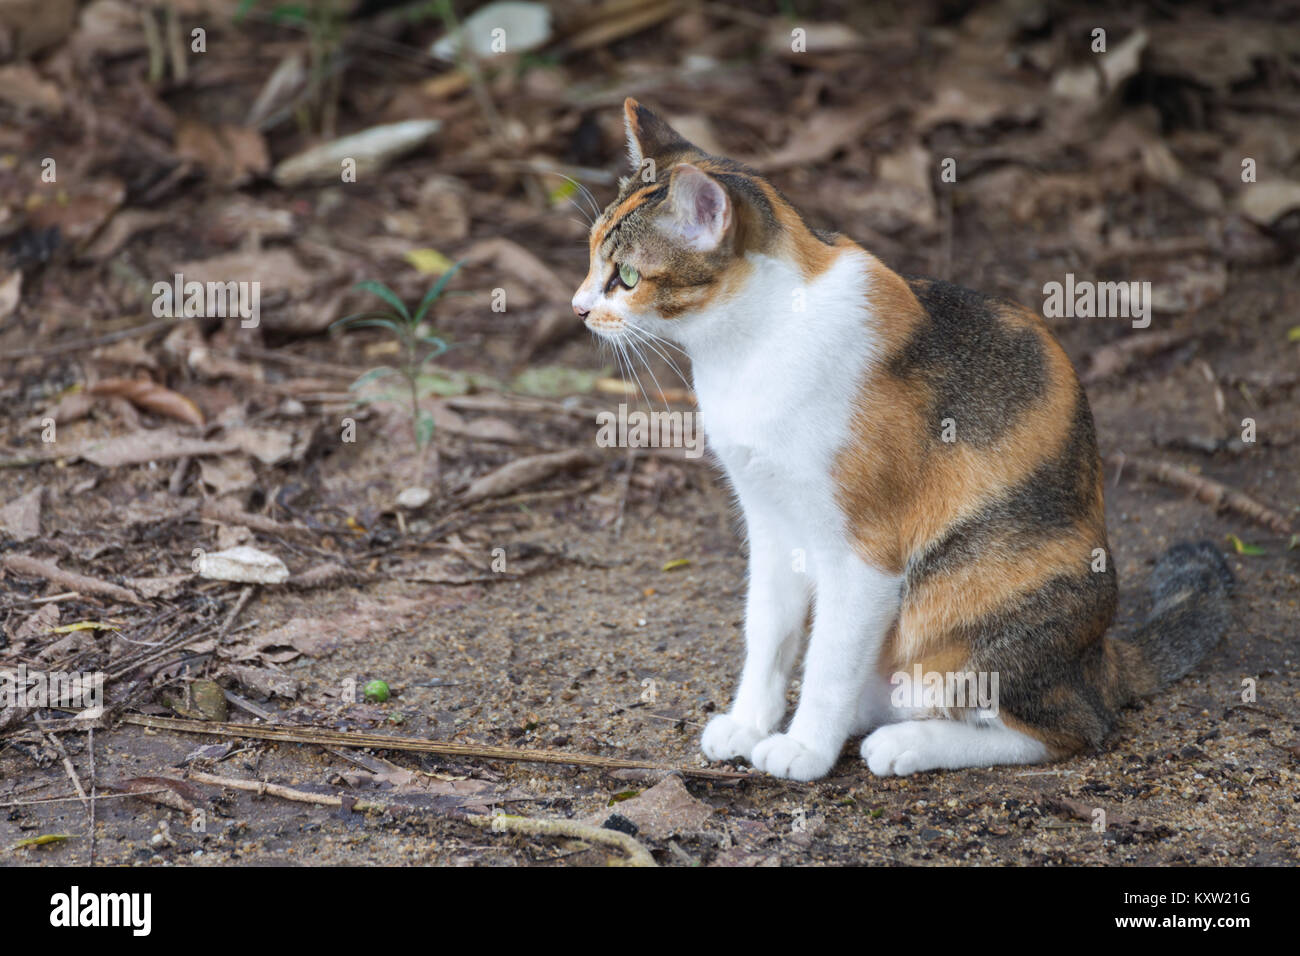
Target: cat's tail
1190, 591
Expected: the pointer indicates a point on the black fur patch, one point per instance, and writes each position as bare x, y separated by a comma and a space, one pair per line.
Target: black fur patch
1191, 587
1057, 495
982, 372
1047, 650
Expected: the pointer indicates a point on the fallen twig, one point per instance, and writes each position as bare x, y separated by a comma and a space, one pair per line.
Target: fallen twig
90, 747
522, 472
1207, 490
81, 344
1115, 357
68, 768
340, 738
637, 855
244, 595
36, 568
13, 716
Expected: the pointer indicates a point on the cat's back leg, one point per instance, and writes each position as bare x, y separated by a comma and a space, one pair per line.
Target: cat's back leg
914, 746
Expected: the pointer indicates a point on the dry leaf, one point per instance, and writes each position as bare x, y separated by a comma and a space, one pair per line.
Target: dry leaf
37, 624
666, 809
163, 586
21, 518
523, 472
229, 474
11, 290
268, 445
151, 397
149, 445
243, 564
264, 681
1264, 202
371, 150
827, 132
510, 258
231, 155
167, 791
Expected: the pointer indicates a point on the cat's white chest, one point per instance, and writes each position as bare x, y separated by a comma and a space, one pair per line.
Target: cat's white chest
778, 407
746, 422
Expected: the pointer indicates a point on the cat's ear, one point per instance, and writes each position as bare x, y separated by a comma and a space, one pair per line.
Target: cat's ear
648, 136
699, 209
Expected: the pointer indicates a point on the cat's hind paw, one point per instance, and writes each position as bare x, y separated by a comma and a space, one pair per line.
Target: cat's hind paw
901, 749
725, 738
783, 756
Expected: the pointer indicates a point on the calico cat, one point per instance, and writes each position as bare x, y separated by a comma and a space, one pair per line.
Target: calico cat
915, 461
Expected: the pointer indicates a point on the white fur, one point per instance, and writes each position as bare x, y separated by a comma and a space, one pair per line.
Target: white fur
917, 745
633, 144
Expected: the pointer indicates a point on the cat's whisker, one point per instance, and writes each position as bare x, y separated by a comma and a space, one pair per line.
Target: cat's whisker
624, 343
668, 344
637, 334
649, 338
636, 343
669, 362
585, 215
585, 192
612, 348
659, 338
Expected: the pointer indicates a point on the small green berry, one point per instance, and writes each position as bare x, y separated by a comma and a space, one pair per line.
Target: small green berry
376, 691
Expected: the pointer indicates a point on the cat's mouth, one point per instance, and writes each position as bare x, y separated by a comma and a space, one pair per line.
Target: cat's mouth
605, 326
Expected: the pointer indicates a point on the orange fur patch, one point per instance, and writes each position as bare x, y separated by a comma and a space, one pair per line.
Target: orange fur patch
897, 485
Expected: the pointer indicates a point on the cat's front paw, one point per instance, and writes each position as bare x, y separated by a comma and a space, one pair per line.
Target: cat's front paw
783, 756
899, 749
726, 737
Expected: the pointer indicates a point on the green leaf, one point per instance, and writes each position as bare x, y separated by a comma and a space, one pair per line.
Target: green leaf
554, 381
424, 430
443, 383
356, 316
436, 290
42, 840
1241, 547
364, 322
374, 375
289, 13
387, 294
439, 348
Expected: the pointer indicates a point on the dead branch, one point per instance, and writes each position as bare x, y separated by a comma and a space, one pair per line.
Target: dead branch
34, 567
339, 738
637, 855
523, 472
1217, 495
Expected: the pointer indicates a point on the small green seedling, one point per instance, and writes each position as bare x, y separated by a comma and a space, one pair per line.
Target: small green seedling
419, 346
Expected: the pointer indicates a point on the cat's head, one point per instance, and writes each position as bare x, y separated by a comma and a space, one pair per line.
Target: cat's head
679, 237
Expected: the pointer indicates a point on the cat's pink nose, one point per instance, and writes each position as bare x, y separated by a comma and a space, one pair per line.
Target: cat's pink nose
580, 312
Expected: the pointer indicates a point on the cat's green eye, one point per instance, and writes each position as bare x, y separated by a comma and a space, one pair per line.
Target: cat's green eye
628, 276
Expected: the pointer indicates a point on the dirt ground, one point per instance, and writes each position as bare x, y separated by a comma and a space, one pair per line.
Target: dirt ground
597, 609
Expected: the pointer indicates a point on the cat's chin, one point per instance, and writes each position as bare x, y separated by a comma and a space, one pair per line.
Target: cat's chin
609, 333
